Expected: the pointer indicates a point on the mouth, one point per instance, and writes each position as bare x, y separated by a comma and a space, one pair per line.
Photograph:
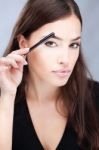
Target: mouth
62, 73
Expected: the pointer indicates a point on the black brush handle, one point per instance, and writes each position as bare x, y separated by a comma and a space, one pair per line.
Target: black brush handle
41, 41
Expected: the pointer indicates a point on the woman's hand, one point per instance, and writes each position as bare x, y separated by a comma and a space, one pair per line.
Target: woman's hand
11, 70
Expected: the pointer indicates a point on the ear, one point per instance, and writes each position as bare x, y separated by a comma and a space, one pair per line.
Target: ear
22, 41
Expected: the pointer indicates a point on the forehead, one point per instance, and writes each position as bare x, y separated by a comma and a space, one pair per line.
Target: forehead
67, 27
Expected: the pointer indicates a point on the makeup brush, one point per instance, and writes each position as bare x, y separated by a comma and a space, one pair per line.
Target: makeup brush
41, 41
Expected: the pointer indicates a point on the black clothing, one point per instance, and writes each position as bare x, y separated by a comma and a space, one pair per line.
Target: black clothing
24, 134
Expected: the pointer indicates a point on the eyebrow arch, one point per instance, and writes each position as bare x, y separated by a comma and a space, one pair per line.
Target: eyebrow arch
58, 38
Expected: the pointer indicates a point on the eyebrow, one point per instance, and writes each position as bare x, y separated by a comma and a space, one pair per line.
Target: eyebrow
60, 39
52, 34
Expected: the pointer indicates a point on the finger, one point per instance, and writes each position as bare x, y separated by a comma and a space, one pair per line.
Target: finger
17, 58
23, 51
3, 68
8, 62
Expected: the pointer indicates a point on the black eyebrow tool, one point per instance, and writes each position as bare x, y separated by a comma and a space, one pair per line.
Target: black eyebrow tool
42, 40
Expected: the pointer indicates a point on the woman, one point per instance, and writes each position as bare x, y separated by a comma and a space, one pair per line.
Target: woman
47, 101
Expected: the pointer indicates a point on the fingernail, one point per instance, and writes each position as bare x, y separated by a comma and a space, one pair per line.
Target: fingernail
25, 63
27, 48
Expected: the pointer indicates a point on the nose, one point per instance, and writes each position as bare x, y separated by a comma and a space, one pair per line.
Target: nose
63, 57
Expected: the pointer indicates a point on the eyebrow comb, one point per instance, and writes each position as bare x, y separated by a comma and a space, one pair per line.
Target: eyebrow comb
42, 40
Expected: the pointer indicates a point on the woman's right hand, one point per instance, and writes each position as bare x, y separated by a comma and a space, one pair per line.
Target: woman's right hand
11, 70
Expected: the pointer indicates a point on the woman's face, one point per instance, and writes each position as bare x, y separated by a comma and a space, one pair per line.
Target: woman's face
53, 61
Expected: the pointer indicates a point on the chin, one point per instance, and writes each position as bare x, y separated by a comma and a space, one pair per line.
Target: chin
60, 83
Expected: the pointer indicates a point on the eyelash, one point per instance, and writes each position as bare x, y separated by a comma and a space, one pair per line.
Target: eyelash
72, 45
47, 43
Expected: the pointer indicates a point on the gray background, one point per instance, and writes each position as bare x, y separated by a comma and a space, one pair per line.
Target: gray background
9, 11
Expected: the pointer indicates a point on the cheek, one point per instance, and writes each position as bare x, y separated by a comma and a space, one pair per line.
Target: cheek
74, 57
38, 60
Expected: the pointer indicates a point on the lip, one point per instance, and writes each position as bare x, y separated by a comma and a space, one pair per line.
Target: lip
62, 72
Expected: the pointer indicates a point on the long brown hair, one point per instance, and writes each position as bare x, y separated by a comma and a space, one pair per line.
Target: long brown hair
76, 93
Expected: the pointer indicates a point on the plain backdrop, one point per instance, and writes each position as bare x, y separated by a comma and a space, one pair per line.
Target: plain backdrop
9, 11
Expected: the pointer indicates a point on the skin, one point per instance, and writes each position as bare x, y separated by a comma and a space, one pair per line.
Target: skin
43, 85
11, 68
57, 55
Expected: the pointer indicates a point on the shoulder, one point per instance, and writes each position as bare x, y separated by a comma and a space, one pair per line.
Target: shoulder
94, 86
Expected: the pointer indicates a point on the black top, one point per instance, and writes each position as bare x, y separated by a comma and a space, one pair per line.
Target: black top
24, 134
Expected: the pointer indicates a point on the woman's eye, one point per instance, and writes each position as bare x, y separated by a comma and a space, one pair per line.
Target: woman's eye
50, 44
75, 45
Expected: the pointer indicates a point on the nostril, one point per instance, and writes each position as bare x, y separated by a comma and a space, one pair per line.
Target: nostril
63, 60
